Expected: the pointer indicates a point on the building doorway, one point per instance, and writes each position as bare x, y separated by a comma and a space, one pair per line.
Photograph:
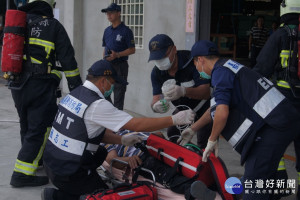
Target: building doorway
230, 23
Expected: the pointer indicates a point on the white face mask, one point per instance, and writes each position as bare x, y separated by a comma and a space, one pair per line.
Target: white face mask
164, 63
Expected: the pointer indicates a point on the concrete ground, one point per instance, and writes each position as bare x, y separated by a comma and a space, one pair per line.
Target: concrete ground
10, 145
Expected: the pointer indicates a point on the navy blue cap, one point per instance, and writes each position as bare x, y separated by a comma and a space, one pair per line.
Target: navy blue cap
158, 46
204, 48
112, 7
104, 68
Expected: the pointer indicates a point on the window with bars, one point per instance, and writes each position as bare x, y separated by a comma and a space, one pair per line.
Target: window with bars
132, 14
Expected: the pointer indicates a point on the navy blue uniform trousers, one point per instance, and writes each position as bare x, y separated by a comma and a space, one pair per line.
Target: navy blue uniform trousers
72, 187
265, 154
119, 91
296, 103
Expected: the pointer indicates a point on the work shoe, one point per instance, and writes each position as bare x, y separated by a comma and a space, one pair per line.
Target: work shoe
201, 192
47, 193
22, 180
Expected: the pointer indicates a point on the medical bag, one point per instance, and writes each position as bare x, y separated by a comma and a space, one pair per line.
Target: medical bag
140, 190
13, 42
189, 163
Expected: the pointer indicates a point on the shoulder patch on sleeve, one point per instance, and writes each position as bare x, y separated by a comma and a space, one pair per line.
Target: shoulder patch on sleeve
233, 66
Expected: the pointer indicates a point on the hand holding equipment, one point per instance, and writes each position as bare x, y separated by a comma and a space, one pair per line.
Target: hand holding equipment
174, 93
186, 136
211, 145
130, 140
183, 117
161, 106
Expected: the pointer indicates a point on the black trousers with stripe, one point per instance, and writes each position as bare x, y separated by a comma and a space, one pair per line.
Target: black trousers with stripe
36, 107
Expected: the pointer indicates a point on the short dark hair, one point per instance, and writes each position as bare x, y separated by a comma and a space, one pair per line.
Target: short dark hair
260, 17
211, 57
92, 78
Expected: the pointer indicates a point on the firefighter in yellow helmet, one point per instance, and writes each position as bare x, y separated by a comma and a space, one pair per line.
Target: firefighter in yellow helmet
35, 92
278, 60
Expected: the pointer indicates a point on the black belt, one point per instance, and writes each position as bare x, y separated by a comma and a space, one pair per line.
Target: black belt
36, 69
118, 61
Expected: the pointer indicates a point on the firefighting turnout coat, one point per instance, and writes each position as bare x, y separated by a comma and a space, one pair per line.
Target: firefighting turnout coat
47, 42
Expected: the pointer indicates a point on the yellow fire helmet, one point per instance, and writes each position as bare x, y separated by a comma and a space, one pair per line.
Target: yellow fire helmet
50, 2
289, 6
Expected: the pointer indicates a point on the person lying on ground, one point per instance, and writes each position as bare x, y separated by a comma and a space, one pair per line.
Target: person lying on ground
135, 157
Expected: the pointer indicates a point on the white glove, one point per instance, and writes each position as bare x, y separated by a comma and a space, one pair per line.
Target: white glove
186, 136
174, 93
183, 117
130, 140
161, 106
211, 145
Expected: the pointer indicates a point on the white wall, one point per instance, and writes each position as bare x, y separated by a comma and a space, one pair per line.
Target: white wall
71, 16
167, 17
160, 16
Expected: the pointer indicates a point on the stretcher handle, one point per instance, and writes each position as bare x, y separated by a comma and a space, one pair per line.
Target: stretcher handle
126, 163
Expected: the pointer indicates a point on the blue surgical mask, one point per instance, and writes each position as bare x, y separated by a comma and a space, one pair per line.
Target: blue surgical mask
108, 93
204, 75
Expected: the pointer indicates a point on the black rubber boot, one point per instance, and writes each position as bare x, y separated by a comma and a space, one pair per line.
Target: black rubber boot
22, 180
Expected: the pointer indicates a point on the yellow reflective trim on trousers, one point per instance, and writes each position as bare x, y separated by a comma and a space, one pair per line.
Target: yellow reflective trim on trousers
46, 44
41, 151
298, 178
57, 73
72, 73
284, 84
284, 55
281, 165
25, 168
30, 168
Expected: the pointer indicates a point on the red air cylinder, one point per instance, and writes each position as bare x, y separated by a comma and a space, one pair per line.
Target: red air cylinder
13, 41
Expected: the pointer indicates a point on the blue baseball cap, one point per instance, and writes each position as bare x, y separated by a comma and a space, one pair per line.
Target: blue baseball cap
204, 48
104, 68
158, 46
112, 7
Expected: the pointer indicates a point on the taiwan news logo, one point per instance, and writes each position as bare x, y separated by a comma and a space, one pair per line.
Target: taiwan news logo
233, 185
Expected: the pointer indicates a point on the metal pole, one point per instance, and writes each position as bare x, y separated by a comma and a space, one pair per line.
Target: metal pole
7, 4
